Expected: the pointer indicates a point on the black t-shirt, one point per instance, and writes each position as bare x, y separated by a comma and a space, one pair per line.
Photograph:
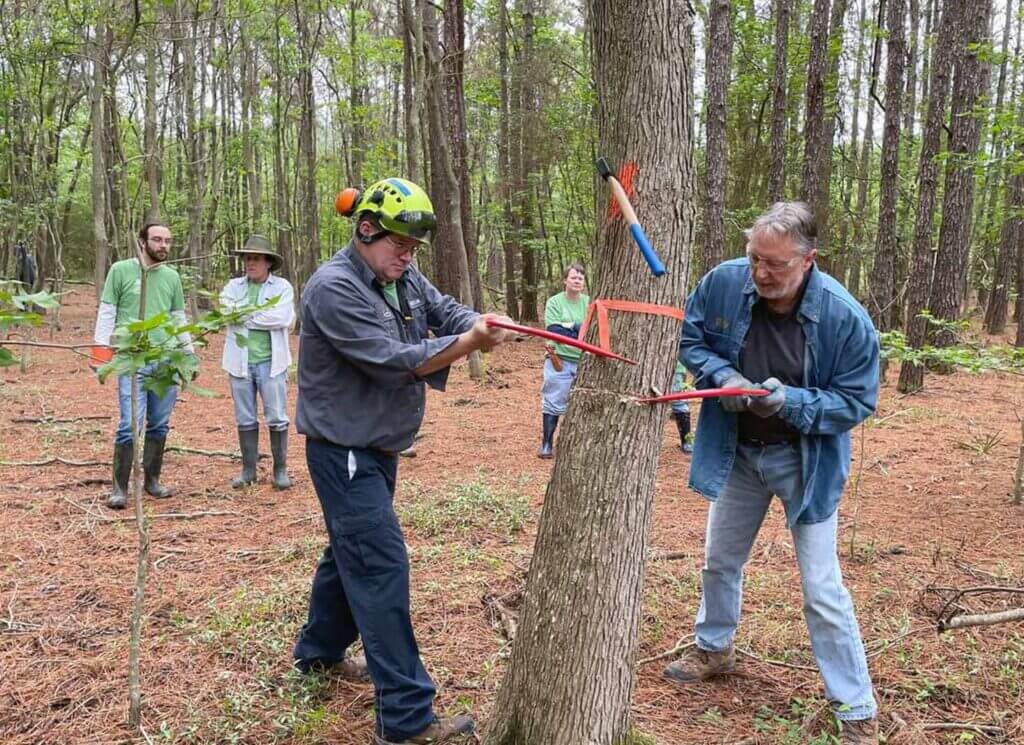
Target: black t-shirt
774, 348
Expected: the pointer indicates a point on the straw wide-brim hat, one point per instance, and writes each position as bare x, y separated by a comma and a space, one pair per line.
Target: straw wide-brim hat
260, 244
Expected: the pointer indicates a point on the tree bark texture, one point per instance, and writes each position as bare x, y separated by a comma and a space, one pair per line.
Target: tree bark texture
867, 150
777, 169
453, 65
923, 262
1010, 240
883, 303
814, 124
958, 199
98, 186
571, 674
508, 233
525, 161
718, 67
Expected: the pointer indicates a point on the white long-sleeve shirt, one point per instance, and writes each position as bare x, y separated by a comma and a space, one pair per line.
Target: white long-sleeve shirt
278, 320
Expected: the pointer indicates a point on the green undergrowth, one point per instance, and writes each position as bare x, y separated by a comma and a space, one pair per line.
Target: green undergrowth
252, 634
480, 506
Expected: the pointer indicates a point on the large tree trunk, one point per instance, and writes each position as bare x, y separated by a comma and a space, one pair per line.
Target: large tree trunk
823, 198
883, 305
923, 263
958, 200
777, 169
718, 67
571, 674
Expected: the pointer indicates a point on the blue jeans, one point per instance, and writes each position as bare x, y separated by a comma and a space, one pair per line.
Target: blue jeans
155, 410
733, 522
273, 391
361, 585
555, 390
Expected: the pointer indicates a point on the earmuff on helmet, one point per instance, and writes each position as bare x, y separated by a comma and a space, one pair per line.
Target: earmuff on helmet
397, 205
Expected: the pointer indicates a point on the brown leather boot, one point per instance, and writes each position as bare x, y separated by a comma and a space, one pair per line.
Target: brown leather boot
354, 670
437, 732
698, 664
858, 732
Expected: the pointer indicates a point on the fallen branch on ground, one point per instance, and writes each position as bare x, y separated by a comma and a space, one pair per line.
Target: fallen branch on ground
983, 729
56, 420
680, 646
981, 619
51, 460
175, 516
668, 555
944, 623
779, 663
209, 453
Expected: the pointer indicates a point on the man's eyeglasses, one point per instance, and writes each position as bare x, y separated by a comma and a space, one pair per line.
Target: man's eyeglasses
401, 246
771, 266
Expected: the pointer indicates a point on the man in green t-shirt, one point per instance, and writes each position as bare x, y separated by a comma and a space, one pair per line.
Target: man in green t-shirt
260, 366
563, 315
119, 306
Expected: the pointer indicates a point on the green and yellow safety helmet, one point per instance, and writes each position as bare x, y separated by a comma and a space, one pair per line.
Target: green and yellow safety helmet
399, 206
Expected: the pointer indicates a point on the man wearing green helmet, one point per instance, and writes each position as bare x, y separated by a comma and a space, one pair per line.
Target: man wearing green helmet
365, 359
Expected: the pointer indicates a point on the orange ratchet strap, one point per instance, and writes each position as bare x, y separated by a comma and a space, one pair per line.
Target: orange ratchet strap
604, 337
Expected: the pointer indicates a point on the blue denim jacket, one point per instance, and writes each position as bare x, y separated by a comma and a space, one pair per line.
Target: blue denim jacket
840, 386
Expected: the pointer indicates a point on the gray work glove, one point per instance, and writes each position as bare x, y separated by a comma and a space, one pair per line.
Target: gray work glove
766, 406
736, 404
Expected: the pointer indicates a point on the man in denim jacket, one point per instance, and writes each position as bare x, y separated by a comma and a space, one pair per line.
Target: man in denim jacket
774, 320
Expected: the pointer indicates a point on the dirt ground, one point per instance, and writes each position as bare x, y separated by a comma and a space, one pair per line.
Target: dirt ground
927, 510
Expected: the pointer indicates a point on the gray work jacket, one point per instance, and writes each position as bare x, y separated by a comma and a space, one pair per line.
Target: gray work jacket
357, 354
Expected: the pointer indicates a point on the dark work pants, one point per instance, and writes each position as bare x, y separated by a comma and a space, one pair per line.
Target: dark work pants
361, 585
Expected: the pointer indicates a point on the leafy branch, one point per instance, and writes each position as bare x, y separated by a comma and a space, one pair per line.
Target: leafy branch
970, 356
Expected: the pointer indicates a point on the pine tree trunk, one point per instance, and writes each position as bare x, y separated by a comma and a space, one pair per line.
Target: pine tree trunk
528, 131
923, 262
882, 294
850, 163
958, 199
508, 232
777, 169
98, 189
571, 674
814, 120
867, 151
718, 67
1010, 240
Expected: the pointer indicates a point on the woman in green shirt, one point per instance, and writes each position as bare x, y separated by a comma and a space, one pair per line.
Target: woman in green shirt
563, 315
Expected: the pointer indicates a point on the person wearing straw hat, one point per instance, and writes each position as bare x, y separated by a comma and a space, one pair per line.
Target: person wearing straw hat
259, 367
119, 306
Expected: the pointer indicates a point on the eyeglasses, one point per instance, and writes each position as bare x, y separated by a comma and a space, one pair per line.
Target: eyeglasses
770, 266
402, 247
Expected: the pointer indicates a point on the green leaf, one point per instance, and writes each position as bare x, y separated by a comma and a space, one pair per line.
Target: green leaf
6, 358
241, 340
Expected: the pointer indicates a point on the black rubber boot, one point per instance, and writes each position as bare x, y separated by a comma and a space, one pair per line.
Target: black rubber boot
550, 424
249, 444
683, 425
279, 449
123, 455
152, 463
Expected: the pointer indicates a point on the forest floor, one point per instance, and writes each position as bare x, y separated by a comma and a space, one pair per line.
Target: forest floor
229, 585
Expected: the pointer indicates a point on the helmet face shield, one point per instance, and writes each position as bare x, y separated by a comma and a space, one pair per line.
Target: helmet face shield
416, 224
